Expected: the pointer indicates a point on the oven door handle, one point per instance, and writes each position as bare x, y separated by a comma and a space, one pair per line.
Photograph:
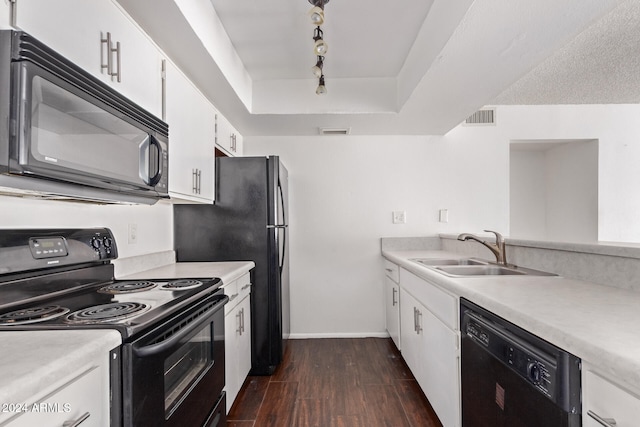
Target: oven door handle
175, 339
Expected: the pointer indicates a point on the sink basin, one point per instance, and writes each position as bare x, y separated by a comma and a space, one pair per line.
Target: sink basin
479, 270
489, 270
453, 261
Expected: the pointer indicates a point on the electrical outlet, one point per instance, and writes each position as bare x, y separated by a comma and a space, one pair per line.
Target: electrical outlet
133, 234
399, 217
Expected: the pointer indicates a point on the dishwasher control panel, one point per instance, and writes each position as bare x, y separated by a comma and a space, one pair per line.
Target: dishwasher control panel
530, 363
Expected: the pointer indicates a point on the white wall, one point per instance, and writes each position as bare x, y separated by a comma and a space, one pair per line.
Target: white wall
154, 223
342, 194
528, 194
344, 188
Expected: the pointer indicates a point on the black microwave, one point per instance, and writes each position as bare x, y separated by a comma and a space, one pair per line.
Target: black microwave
65, 133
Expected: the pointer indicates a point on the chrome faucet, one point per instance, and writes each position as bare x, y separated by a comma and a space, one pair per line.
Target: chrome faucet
498, 248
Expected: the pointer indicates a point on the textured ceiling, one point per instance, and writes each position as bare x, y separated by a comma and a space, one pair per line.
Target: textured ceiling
600, 66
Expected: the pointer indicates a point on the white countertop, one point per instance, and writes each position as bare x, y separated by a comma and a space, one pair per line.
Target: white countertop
594, 322
226, 270
32, 361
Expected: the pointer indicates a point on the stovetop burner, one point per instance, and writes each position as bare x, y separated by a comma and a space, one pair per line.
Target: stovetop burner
182, 284
107, 312
33, 315
127, 287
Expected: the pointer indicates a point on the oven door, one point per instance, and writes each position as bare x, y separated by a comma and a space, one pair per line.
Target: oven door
174, 374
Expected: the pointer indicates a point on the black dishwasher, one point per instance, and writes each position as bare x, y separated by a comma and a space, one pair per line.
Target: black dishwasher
512, 378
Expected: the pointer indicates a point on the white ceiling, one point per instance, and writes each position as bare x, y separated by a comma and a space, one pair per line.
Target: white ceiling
409, 67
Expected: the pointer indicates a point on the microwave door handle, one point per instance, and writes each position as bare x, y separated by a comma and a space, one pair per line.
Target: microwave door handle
150, 160
175, 339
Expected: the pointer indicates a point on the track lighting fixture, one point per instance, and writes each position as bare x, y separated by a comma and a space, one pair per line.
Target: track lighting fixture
321, 90
320, 47
317, 69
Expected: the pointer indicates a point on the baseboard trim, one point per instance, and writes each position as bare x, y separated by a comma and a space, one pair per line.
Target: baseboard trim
302, 336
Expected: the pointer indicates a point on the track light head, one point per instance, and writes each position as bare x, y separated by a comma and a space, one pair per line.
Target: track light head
317, 15
321, 90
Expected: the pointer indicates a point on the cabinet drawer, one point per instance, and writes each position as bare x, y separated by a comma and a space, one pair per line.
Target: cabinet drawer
231, 290
236, 290
440, 303
244, 286
392, 271
608, 401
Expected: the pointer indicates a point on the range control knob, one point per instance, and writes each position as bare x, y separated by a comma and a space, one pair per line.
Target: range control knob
534, 373
95, 243
106, 241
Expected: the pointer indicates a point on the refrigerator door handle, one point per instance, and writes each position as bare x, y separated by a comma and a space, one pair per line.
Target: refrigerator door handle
277, 226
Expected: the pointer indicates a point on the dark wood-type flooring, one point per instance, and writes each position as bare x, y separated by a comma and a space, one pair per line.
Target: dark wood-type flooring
335, 382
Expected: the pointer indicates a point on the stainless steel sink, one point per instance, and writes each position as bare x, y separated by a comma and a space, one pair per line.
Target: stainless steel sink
489, 270
442, 261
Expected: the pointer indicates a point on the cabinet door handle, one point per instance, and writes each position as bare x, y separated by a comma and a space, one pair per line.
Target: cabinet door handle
606, 422
196, 181
76, 423
415, 319
418, 322
243, 320
117, 74
394, 301
105, 46
239, 317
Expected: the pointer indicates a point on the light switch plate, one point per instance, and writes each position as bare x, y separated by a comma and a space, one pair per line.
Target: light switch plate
444, 215
399, 217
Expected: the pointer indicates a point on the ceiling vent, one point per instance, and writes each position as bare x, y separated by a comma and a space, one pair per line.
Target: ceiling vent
334, 131
484, 117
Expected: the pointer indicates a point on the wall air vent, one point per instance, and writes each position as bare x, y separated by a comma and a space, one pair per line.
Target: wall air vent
484, 117
334, 131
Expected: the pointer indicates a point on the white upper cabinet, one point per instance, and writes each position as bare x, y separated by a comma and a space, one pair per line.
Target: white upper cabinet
5, 14
99, 37
191, 119
228, 139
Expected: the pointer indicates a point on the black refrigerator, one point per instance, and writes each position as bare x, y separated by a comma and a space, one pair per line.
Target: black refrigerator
247, 222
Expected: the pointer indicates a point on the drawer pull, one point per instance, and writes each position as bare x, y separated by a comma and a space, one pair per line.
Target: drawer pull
232, 297
248, 285
390, 270
76, 423
606, 422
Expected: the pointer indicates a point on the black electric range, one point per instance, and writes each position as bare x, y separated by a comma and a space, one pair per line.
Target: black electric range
64, 279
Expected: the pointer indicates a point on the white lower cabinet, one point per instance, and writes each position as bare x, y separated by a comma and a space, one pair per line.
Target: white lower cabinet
81, 400
604, 403
237, 336
392, 302
430, 344
413, 338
